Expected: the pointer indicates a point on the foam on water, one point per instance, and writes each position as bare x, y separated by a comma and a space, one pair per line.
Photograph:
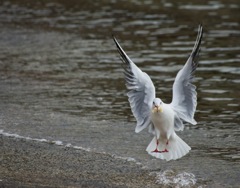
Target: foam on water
56, 142
25, 138
68, 145
173, 179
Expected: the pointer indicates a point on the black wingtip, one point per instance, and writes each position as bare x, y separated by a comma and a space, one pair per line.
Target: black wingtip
123, 55
114, 39
198, 41
117, 44
200, 28
113, 36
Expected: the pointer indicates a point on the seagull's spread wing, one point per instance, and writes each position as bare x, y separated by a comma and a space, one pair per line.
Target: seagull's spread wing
184, 99
141, 90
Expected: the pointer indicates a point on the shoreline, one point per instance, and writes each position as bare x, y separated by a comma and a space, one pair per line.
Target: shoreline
26, 163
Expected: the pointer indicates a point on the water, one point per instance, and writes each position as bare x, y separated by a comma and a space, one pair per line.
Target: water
61, 78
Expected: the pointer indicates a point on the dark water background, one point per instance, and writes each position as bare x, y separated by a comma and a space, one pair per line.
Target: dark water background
61, 76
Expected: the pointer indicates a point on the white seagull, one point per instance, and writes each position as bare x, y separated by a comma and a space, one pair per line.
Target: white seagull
161, 118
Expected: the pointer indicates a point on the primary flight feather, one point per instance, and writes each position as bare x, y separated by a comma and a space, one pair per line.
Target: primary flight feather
163, 119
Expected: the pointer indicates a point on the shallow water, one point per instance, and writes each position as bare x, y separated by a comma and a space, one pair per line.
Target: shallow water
61, 77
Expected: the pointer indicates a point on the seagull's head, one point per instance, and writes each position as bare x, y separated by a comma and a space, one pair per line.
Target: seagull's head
157, 105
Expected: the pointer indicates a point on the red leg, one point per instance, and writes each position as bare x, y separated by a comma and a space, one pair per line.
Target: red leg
164, 151
156, 150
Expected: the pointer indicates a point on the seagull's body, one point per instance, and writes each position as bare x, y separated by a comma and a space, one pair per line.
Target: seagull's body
161, 118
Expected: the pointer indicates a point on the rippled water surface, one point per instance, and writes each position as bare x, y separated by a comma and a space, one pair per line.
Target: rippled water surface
61, 76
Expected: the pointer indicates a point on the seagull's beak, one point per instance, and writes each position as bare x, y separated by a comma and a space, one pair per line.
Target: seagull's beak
157, 109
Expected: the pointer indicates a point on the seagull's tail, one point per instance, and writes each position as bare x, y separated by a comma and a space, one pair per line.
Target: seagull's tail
174, 149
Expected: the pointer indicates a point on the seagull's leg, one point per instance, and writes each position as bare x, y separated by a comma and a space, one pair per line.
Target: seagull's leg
165, 150
156, 150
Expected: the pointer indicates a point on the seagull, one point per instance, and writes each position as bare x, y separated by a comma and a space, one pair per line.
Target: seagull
163, 120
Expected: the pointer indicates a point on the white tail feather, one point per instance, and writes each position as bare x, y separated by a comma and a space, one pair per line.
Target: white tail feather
175, 149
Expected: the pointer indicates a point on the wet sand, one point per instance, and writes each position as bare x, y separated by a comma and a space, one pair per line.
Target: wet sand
34, 164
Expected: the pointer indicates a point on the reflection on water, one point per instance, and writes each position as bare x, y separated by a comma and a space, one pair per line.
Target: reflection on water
61, 76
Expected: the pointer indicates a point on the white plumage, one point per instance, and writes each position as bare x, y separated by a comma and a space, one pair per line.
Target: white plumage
163, 119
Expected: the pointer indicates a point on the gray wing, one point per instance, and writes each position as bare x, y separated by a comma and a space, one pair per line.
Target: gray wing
141, 90
184, 99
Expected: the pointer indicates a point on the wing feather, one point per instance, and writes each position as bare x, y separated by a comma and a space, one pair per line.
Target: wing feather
141, 90
184, 99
